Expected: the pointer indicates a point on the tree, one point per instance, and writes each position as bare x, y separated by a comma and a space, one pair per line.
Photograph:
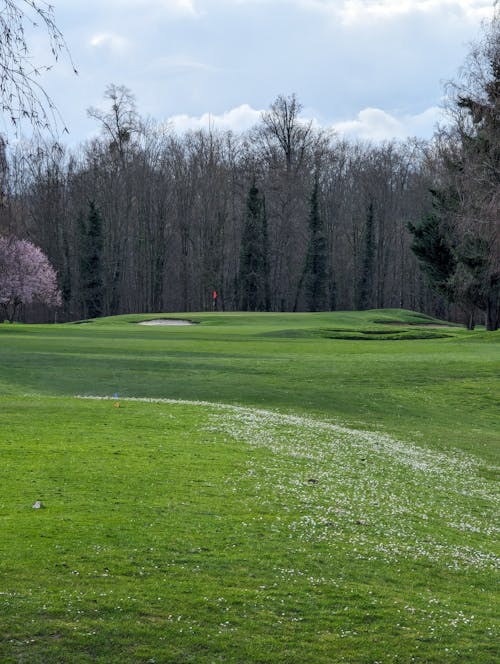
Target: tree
174, 216
477, 173
91, 272
22, 96
433, 241
317, 257
4, 170
265, 241
26, 276
365, 283
282, 124
253, 264
121, 122
459, 244
288, 149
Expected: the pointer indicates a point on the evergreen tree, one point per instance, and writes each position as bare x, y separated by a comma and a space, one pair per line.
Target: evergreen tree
451, 270
458, 246
365, 286
433, 243
317, 257
91, 268
478, 179
265, 240
252, 275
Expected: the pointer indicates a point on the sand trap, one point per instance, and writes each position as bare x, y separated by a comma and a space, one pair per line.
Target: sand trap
166, 321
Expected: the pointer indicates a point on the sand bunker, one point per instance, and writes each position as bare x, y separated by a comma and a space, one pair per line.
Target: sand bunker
166, 321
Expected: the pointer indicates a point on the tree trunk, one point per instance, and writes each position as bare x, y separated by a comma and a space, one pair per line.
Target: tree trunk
493, 314
470, 320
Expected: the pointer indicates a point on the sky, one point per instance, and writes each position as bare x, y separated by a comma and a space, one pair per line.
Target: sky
370, 69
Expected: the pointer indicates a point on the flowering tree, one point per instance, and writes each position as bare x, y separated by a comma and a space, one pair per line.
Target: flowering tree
26, 276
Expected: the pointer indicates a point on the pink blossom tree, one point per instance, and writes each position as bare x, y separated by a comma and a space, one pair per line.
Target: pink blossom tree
26, 276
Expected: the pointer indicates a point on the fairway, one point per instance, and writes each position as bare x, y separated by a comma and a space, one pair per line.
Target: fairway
253, 488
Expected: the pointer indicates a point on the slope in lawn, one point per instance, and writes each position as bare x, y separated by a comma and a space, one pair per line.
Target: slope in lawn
184, 533
443, 392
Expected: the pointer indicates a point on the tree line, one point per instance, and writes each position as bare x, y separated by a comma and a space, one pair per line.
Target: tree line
284, 217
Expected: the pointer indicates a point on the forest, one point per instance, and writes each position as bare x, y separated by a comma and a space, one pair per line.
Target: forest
285, 217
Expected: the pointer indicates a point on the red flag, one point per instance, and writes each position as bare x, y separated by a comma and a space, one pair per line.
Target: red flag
214, 294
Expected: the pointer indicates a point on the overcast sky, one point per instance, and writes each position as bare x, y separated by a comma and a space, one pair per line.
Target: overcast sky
369, 68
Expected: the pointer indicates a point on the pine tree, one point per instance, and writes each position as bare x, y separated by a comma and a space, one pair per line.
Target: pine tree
317, 257
91, 268
434, 252
266, 274
458, 245
252, 275
479, 181
366, 279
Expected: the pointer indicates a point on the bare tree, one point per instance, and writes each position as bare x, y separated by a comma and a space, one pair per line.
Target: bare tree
22, 96
173, 214
121, 122
4, 167
283, 125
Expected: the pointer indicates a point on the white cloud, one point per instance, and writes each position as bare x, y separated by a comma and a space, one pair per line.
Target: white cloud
392, 55
179, 63
110, 41
186, 7
179, 6
237, 119
374, 124
352, 12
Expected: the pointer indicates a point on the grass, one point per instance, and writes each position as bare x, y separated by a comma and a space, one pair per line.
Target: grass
354, 523
443, 392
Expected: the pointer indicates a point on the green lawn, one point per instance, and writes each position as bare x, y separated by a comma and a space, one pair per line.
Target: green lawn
357, 522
